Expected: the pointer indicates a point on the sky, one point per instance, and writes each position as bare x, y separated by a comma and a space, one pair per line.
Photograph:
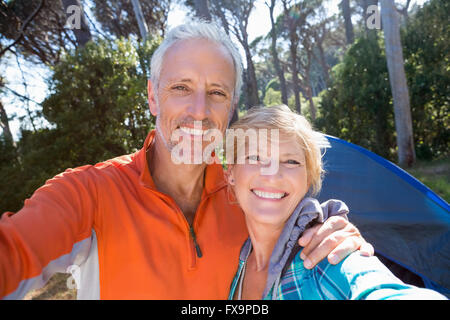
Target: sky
259, 24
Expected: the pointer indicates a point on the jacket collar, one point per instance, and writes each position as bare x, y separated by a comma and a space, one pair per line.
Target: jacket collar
214, 175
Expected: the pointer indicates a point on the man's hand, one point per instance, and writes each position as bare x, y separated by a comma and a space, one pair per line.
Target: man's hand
335, 238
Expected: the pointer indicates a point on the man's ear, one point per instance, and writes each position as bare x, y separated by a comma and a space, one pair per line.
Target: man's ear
152, 99
234, 106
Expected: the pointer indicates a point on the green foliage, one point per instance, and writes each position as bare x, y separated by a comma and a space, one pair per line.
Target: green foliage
97, 108
426, 41
11, 177
357, 107
272, 97
98, 103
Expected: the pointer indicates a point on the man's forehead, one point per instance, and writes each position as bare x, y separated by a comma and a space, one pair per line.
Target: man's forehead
191, 49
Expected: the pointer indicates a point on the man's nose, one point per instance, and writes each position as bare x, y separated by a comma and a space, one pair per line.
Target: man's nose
199, 108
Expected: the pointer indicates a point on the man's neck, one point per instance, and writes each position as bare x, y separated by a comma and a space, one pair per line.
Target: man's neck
182, 182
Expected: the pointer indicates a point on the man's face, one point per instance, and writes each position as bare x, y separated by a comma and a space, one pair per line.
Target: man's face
196, 84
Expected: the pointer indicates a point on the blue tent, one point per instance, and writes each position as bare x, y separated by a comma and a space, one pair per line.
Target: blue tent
406, 222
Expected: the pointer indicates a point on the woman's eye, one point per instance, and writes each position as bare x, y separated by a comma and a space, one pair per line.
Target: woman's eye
292, 163
253, 158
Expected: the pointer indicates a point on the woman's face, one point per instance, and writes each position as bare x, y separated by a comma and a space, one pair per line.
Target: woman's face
270, 199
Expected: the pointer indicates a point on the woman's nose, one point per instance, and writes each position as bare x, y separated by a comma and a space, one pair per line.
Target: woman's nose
271, 169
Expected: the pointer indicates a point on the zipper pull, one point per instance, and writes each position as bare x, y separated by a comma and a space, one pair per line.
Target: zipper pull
197, 247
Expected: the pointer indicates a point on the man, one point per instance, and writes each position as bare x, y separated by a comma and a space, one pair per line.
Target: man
141, 226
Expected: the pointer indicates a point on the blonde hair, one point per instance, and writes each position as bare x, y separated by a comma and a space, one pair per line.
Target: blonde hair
294, 126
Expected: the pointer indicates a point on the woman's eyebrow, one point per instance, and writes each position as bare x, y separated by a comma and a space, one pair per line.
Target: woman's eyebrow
290, 154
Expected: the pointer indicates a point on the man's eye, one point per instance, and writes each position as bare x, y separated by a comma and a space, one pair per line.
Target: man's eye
218, 93
180, 88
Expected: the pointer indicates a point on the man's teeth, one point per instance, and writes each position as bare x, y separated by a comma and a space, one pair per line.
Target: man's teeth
195, 132
269, 195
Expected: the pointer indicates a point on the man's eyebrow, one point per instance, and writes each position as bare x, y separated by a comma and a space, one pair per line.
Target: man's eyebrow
180, 80
220, 85
213, 84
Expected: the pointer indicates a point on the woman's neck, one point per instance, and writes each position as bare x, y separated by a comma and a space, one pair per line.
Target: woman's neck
264, 238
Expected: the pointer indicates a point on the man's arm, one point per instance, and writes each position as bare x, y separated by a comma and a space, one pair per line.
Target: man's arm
51, 232
336, 238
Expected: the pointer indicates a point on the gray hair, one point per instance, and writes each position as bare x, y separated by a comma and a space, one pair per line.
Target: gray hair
197, 29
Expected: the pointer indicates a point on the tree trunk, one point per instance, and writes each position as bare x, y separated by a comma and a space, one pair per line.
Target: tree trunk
308, 90
252, 85
251, 82
295, 79
323, 63
202, 9
365, 6
143, 29
276, 61
81, 31
349, 34
399, 87
4, 124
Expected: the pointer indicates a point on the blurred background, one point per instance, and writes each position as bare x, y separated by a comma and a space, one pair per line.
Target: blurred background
73, 78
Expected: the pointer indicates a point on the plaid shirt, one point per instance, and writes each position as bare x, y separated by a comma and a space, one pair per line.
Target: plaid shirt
356, 277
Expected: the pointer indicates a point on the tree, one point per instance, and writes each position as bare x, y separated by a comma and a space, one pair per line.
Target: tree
98, 103
36, 28
404, 10
399, 87
202, 10
357, 106
292, 21
366, 4
234, 16
4, 121
119, 19
274, 53
74, 11
4, 124
295, 15
426, 49
346, 13
143, 29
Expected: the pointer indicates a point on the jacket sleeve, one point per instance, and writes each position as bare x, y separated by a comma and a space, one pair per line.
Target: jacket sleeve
49, 234
358, 277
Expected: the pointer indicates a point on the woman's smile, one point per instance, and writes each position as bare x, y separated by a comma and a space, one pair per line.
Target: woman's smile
270, 195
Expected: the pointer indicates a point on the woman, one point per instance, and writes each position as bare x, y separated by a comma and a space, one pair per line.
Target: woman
277, 211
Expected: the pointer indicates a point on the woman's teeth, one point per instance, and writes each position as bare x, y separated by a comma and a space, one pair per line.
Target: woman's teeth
269, 195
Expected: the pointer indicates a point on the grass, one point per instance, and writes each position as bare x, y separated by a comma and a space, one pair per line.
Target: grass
55, 289
434, 174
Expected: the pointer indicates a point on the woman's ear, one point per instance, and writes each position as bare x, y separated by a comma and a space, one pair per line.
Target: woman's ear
229, 175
